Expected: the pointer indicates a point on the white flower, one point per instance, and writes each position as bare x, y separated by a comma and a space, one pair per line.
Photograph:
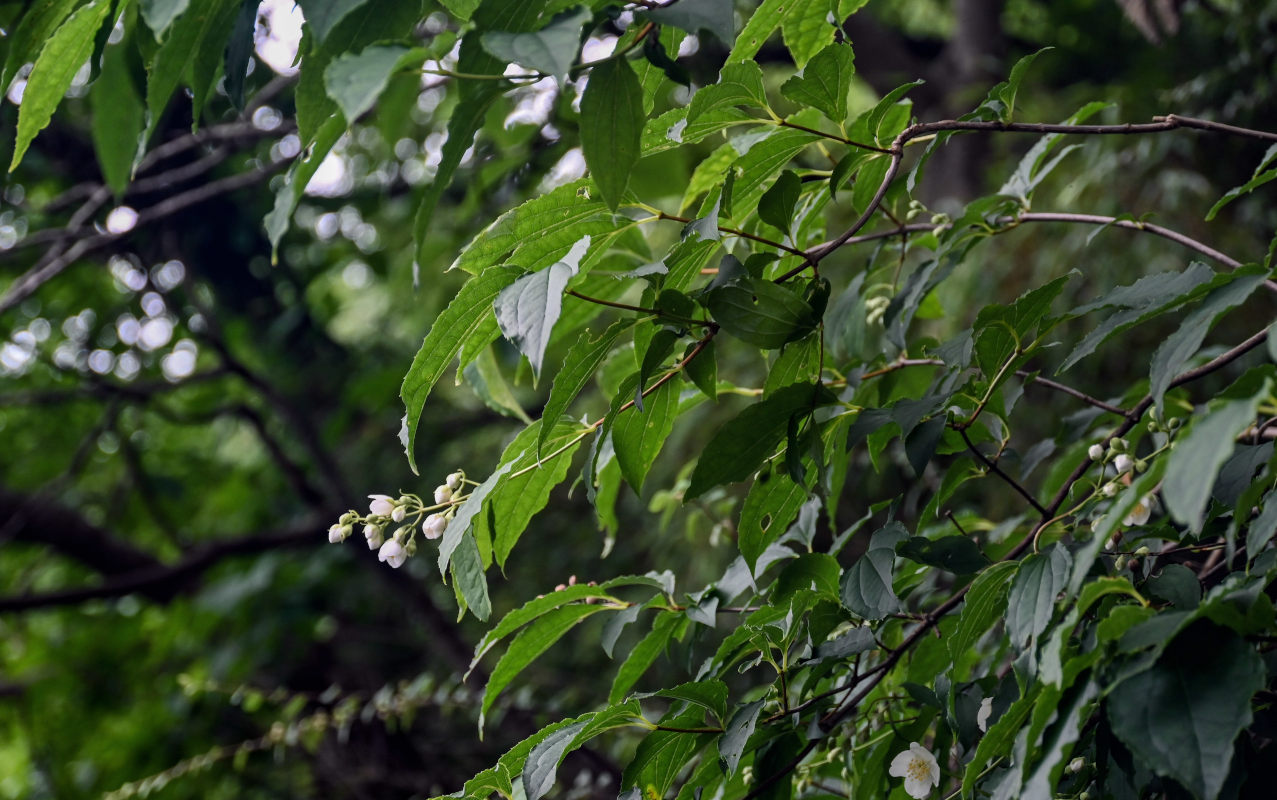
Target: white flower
381, 505
399, 513
433, 526
1095, 452
454, 481
982, 716
1140, 514
335, 534
1123, 464
373, 534
443, 494
392, 553
919, 769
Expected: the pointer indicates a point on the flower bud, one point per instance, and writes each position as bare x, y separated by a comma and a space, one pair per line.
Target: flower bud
1141, 466
1076, 765
399, 513
1110, 489
1123, 464
392, 553
434, 525
454, 480
1142, 551
443, 494
1174, 423
1118, 445
374, 536
1120, 563
334, 533
348, 517
1095, 452
381, 505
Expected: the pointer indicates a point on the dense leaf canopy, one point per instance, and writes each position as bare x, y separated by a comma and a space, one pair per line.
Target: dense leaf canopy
796, 398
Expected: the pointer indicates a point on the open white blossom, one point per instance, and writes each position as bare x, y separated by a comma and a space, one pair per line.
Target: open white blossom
434, 526
381, 505
392, 553
982, 716
1141, 512
919, 769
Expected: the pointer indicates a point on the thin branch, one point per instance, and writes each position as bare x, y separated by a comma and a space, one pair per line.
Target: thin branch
995, 469
1162, 124
33, 279
164, 581
1070, 391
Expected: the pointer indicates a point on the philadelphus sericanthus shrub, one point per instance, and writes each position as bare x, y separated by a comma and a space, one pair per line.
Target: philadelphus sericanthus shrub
1108, 641
1111, 637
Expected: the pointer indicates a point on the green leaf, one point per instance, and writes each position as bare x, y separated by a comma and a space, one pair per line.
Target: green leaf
873, 117
536, 607
694, 16
771, 504
1181, 717
611, 126
543, 761
1263, 527
1259, 178
1006, 92
638, 436
531, 642
761, 313
702, 370
997, 741
485, 377
467, 571
1042, 576
582, 361
985, 604
818, 572
356, 80
1146, 298
710, 694
1198, 455
776, 207
731, 744
738, 448
453, 328
60, 58
323, 15
1178, 585
526, 490
39, 21
824, 82
866, 587
299, 175
159, 14
239, 48
527, 309
738, 85
1180, 346
806, 29
117, 119
666, 627
662, 754
550, 50
956, 554
764, 159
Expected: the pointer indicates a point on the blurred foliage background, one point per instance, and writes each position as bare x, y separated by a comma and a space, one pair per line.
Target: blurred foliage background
181, 417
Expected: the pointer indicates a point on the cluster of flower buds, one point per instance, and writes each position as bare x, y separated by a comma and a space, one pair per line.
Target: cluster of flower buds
407, 512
